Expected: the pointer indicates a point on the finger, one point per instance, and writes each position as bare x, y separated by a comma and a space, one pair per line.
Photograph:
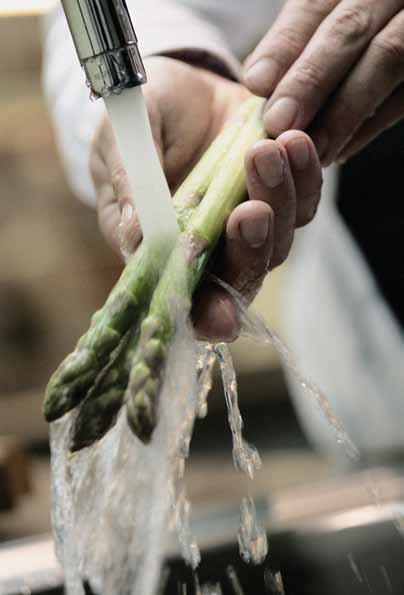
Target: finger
284, 43
269, 179
107, 208
215, 315
243, 264
325, 62
117, 216
248, 247
387, 116
129, 230
373, 80
306, 172
109, 217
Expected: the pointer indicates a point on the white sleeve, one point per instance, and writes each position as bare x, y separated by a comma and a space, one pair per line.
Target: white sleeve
162, 27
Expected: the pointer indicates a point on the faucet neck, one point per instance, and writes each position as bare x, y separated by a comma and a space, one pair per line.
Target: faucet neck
106, 44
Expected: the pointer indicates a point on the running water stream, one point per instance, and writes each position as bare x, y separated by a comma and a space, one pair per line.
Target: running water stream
149, 189
256, 328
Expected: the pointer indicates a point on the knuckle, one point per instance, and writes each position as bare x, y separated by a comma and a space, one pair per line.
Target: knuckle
119, 177
309, 75
93, 167
313, 10
289, 38
391, 48
346, 115
349, 111
353, 23
318, 7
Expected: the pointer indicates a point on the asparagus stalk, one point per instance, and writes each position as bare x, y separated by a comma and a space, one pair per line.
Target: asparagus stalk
98, 412
130, 297
194, 247
195, 186
79, 371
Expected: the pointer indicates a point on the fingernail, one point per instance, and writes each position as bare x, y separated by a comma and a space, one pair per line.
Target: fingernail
262, 75
270, 167
281, 116
299, 153
255, 231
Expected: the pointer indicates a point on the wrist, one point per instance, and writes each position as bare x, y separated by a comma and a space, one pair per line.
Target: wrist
204, 59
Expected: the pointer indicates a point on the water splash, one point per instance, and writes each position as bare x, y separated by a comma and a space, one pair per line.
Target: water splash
246, 457
111, 504
211, 590
182, 513
273, 583
386, 579
254, 327
252, 538
355, 568
116, 541
205, 366
207, 589
233, 580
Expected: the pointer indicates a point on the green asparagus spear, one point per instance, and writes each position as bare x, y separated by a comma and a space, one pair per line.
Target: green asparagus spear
178, 282
78, 373
98, 412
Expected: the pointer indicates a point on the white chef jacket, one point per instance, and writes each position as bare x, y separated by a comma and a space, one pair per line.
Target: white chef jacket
337, 324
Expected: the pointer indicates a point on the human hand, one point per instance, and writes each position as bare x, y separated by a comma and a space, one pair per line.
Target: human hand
334, 68
187, 108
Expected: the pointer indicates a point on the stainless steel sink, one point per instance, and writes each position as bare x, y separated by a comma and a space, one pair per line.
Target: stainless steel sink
336, 538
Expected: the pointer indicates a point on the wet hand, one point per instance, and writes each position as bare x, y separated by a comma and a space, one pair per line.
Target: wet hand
187, 107
334, 68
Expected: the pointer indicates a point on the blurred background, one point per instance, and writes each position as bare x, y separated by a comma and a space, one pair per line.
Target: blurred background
55, 271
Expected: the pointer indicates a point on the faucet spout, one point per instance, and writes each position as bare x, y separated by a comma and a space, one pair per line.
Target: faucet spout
106, 44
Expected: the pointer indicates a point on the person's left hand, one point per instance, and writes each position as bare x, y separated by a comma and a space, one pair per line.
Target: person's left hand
188, 106
334, 68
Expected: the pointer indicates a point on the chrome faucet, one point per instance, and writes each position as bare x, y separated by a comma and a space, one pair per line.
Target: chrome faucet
106, 44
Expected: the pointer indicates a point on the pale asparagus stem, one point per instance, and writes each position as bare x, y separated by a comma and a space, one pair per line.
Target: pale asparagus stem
196, 184
183, 272
130, 297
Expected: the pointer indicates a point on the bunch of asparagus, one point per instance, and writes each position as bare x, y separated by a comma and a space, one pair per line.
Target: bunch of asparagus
121, 359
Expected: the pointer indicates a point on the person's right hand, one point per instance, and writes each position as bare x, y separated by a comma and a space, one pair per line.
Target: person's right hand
187, 107
334, 68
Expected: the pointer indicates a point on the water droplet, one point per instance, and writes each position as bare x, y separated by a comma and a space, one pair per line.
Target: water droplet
252, 538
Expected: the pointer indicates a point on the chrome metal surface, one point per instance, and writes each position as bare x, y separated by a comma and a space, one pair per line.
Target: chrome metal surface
106, 44
333, 538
